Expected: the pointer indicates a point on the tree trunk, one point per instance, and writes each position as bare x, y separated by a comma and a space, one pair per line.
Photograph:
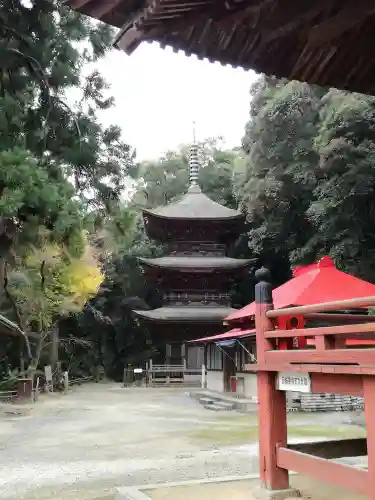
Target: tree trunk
22, 356
54, 346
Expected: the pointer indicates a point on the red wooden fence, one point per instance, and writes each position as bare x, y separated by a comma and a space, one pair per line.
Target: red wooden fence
328, 366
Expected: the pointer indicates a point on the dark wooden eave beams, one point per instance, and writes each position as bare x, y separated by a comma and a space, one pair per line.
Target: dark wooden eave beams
101, 9
78, 4
287, 16
335, 26
129, 39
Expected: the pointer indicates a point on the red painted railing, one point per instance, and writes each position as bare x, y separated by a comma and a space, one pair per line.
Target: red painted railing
332, 366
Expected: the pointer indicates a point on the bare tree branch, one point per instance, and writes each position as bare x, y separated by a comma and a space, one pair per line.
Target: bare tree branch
11, 298
42, 276
21, 329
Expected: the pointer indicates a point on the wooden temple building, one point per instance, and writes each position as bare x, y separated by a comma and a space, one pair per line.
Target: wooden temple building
195, 275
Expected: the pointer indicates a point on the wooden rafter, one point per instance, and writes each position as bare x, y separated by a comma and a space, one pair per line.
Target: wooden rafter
104, 8
288, 16
332, 28
131, 38
78, 4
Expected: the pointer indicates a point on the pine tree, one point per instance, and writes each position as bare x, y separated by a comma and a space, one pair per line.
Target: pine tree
43, 50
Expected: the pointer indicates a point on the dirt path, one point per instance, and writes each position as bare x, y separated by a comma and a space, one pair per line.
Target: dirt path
99, 436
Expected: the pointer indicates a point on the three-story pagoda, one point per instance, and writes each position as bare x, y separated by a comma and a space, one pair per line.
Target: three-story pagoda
195, 275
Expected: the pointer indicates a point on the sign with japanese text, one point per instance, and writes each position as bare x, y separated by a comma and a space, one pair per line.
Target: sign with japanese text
296, 382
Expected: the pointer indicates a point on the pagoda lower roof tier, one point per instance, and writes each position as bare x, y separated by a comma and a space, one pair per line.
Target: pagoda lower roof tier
177, 314
199, 264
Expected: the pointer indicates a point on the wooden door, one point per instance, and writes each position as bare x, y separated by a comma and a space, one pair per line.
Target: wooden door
229, 367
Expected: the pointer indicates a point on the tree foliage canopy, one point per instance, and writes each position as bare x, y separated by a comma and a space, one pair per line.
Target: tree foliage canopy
306, 179
62, 173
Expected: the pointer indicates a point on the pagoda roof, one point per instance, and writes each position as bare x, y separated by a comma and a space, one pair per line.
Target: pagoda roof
178, 314
195, 205
196, 263
320, 42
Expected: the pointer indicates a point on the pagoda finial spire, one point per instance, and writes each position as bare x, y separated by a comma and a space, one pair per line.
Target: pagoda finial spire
194, 165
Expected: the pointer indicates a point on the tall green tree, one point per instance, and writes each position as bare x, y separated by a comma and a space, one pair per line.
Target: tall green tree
60, 169
306, 178
43, 50
275, 178
342, 208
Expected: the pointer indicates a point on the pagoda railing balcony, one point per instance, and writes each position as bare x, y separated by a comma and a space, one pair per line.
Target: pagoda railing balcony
196, 248
205, 299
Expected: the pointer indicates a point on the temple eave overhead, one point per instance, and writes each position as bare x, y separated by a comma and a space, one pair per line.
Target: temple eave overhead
186, 314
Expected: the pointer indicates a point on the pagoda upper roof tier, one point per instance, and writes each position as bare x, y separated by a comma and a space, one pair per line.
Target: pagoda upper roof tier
196, 263
195, 205
176, 314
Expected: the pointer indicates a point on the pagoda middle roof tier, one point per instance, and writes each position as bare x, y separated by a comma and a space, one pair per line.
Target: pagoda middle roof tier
176, 314
183, 263
195, 205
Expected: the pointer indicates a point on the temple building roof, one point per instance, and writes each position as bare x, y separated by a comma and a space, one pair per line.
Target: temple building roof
187, 313
196, 263
320, 42
195, 205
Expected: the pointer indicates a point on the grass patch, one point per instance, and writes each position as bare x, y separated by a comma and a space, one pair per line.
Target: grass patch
225, 436
251, 418
244, 434
237, 419
343, 432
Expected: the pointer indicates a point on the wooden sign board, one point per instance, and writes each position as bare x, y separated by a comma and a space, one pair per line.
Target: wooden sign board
295, 382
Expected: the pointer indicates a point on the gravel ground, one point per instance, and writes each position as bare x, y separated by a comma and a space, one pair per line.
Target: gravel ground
98, 436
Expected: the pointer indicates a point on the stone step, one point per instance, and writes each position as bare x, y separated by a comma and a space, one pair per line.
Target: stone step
227, 404
216, 408
242, 405
219, 406
206, 401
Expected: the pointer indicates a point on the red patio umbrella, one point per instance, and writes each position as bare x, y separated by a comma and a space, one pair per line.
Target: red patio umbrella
313, 284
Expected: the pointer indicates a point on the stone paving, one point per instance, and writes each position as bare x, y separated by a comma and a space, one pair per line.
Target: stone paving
81, 445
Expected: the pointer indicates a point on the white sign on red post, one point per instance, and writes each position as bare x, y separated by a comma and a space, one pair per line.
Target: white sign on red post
296, 382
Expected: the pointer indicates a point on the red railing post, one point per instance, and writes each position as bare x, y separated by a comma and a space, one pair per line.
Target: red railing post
271, 402
369, 397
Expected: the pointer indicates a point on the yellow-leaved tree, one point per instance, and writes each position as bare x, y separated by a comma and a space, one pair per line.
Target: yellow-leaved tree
49, 284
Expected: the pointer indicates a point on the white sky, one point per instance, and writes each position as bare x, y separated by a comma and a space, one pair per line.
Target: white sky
159, 94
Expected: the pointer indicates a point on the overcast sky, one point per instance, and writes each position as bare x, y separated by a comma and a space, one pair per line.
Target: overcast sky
159, 94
